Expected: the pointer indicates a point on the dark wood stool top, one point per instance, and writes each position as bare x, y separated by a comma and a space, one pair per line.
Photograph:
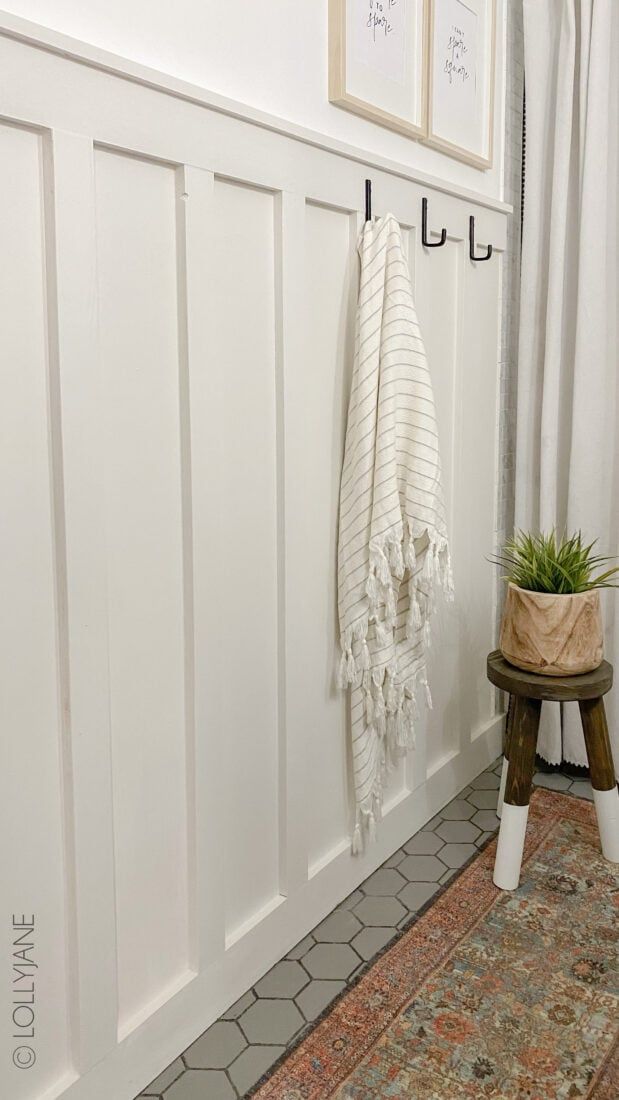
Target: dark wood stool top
559, 689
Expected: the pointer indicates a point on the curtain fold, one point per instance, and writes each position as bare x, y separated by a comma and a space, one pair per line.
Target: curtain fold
567, 451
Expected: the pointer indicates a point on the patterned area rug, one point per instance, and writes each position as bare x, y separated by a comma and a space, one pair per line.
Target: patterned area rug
487, 994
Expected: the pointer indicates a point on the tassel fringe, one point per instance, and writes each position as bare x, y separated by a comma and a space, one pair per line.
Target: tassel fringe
391, 706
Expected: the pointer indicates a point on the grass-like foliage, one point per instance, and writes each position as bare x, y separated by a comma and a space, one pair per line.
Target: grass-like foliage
546, 563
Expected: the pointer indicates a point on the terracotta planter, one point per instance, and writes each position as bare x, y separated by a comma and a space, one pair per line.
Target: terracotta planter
550, 634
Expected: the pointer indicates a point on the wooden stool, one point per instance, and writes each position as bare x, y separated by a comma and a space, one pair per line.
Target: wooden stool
527, 691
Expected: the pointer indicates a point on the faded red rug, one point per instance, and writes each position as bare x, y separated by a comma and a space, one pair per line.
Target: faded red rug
487, 994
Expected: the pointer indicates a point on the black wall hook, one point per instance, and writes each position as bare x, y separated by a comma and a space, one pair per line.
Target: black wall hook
368, 200
424, 229
476, 259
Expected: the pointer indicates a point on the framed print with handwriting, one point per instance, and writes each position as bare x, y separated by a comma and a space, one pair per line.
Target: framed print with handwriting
377, 61
461, 79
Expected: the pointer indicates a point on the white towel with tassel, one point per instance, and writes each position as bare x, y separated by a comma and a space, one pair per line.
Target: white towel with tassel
393, 549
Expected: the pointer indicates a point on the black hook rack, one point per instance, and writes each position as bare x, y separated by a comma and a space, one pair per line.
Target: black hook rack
368, 200
424, 229
476, 259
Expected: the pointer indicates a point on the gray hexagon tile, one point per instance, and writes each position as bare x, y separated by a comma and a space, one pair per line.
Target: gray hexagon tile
251, 1065
217, 1048
396, 858
458, 810
457, 832
582, 789
231, 1057
238, 1008
198, 1084
372, 940
317, 996
383, 912
487, 781
351, 900
384, 883
448, 875
486, 820
424, 843
301, 948
339, 927
484, 800
456, 855
482, 838
271, 1022
417, 894
422, 868
286, 979
165, 1079
331, 960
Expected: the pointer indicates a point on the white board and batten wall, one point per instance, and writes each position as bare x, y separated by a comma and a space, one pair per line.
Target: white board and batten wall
176, 323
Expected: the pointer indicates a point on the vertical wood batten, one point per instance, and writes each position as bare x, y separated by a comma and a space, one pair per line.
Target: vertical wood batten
291, 363
201, 455
77, 456
187, 552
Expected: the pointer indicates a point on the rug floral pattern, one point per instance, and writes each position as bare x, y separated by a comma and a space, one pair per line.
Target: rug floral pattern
500, 995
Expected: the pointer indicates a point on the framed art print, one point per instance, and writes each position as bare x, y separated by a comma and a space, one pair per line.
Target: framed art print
377, 61
461, 79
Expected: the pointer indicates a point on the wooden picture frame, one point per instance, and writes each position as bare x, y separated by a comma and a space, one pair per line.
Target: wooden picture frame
378, 61
456, 109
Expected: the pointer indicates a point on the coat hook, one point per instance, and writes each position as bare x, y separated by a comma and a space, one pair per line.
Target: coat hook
368, 200
424, 229
476, 259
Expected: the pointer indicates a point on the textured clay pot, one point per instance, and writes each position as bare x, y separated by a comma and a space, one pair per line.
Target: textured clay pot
550, 634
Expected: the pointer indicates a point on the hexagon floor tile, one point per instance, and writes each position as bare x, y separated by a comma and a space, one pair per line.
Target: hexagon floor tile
372, 940
422, 868
380, 912
317, 995
385, 882
197, 1084
458, 810
423, 844
339, 927
252, 1064
230, 1058
331, 960
286, 979
217, 1048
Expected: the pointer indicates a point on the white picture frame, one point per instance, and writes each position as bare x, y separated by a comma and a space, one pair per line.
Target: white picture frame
461, 73
378, 60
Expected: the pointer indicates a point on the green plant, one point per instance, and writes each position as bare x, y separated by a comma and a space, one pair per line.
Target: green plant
545, 563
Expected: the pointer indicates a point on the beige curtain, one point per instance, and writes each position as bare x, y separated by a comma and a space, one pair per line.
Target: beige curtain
567, 470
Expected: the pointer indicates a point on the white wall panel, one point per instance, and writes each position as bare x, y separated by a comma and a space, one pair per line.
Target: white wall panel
176, 361
478, 348
331, 263
245, 552
437, 298
136, 242
32, 861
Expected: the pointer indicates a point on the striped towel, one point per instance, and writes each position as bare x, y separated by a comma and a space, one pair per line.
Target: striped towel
393, 548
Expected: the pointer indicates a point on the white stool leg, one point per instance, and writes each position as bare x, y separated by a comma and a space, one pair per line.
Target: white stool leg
522, 745
499, 807
510, 847
607, 810
602, 769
